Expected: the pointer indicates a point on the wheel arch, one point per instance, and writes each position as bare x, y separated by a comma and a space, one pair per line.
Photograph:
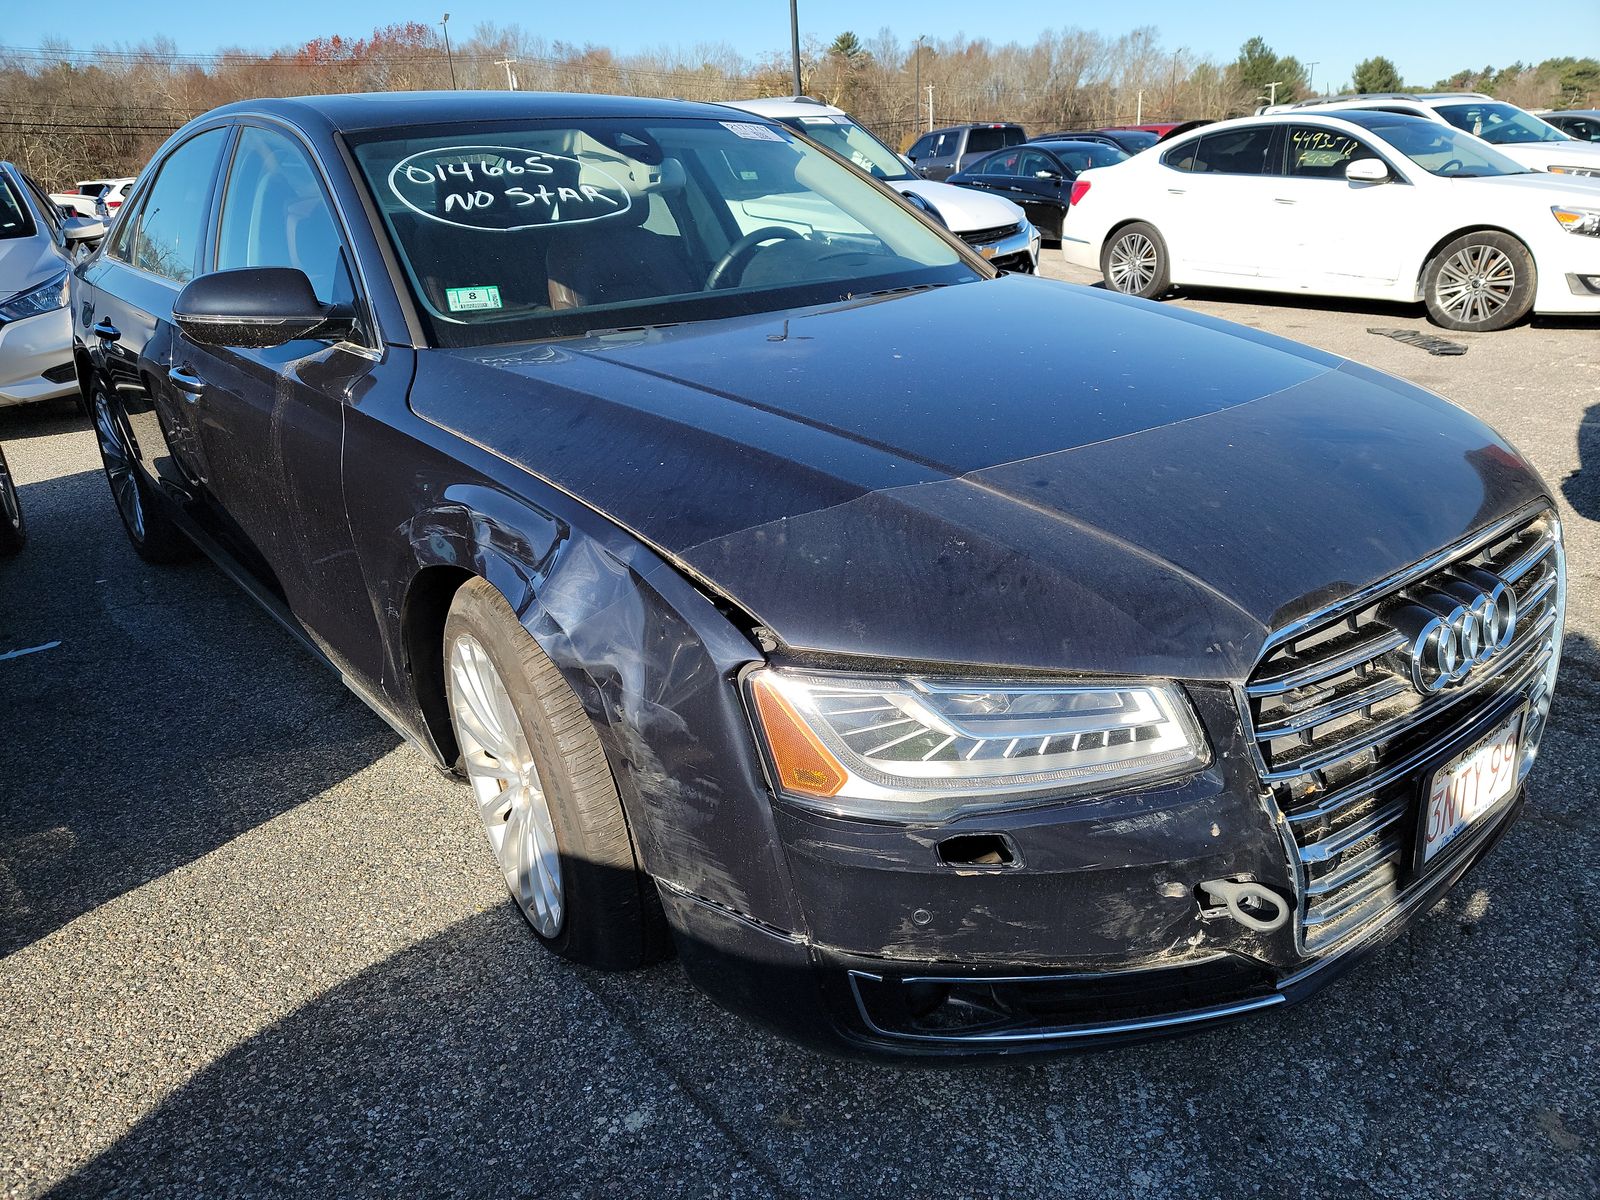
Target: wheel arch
1479, 227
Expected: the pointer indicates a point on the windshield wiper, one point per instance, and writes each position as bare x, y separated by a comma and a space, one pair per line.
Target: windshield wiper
903, 290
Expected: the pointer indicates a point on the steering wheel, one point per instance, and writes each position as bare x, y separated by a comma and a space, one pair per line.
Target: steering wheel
1444, 168
742, 250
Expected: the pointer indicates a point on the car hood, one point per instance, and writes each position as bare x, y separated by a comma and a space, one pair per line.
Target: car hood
1015, 472
1543, 154
27, 261
963, 209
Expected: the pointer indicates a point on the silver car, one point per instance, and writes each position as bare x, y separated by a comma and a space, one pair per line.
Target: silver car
36, 248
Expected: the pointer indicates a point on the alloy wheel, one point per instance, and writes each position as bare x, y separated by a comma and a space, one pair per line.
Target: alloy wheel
10, 508
1133, 263
505, 780
118, 457
1476, 283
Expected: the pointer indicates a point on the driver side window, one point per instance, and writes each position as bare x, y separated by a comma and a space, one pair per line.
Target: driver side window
1316, 153
275, 214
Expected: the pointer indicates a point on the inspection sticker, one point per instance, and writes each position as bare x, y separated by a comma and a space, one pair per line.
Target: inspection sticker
752, 132
472, 299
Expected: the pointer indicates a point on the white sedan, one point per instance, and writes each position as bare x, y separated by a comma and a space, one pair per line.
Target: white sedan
1355, 203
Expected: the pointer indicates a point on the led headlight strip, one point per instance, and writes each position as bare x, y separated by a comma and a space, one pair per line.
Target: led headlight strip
915, 745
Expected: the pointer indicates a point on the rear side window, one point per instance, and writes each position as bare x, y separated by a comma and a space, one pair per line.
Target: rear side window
1227, 152
169, 228
981, 141
275, 214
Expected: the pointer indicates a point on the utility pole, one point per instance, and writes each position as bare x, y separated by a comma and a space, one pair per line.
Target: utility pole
1272, 91
794, 44
930, 108
511, 76
450, 58
1311, 73
1138, 118
916, 87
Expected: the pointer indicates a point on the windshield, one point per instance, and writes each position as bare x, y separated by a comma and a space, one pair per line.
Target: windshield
15, 220
558, 228
1500, 124
852, 142
1439, 149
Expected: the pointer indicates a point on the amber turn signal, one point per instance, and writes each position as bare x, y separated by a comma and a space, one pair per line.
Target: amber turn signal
801, 762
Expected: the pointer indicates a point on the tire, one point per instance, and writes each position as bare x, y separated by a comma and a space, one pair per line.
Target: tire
1134, 261
156, 538
13, 530
1480, 282
544, 791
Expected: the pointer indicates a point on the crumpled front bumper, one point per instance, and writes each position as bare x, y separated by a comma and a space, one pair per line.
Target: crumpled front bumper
889, 1009
1095, 933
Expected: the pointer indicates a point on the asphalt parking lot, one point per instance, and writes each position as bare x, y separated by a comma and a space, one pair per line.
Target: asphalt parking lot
253, 944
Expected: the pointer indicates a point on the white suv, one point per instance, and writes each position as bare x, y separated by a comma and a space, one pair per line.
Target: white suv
1515, 132
992, 225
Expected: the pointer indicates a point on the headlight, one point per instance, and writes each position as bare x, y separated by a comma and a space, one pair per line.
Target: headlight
1567, 170
913, 747
47, 297
1578, 220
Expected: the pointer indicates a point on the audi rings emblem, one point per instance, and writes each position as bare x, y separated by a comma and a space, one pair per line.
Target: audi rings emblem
1453, 626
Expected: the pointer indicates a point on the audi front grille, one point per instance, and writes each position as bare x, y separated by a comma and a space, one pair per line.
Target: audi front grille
1345, 732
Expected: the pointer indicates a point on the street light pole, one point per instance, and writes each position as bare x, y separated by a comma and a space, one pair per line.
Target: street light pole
450, 58
930, 108
794, 44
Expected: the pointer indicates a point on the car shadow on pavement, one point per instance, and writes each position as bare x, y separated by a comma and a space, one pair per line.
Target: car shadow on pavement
151, 714
44, 419
1582, 487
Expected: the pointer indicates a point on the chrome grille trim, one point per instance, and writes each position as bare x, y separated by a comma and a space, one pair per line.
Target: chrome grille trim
1341, 735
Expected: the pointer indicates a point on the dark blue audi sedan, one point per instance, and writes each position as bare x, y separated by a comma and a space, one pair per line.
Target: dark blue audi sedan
942, 662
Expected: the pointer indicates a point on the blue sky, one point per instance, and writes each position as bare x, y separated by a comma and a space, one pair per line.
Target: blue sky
1427, 38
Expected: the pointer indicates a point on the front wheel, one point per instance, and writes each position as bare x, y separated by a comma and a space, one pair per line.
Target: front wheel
13, 533
1479, 283
544, 790
1134, 262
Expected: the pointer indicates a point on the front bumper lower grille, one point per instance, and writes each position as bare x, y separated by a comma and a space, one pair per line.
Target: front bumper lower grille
1345, 741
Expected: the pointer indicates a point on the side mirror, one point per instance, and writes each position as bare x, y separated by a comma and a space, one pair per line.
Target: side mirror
911, 158
1366, 170
256, 307
77, 230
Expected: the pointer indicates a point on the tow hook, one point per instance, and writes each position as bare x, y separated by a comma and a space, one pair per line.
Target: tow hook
1253, 905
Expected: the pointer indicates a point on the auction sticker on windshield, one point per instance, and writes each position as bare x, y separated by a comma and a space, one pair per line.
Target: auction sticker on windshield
472, 299
1468, 786
502, 189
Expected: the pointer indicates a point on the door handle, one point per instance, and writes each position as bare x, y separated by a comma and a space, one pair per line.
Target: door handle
1175, 191
106, 331
1282, 200
187, 382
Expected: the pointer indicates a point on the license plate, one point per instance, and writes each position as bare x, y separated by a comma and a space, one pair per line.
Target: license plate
1468, 786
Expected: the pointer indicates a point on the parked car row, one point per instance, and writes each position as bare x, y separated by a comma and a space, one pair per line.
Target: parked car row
93, 198
1376, 199
626, 456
